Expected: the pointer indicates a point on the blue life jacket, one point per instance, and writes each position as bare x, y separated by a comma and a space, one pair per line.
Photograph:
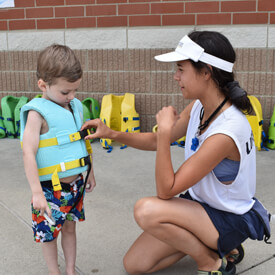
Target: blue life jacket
62, 150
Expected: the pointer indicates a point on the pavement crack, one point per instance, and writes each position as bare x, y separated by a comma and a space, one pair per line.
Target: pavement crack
255, 265
14, 213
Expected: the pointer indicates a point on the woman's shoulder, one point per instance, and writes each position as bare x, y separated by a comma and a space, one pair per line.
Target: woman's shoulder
234, 114
194, 107
233, 122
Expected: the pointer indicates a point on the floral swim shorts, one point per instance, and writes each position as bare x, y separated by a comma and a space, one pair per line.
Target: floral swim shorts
60, 203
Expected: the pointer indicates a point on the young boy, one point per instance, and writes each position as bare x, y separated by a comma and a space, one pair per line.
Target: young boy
55, 155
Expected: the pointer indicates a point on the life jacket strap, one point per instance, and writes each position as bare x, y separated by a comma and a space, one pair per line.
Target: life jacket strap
88, 147
63, 139
62, 167
135, 129
125, 119
271, 141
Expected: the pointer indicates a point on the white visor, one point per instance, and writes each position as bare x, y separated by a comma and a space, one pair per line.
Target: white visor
188, 49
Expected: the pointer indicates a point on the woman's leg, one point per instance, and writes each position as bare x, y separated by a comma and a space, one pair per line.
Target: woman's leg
185, 228
149, 254
68, 242
50, 254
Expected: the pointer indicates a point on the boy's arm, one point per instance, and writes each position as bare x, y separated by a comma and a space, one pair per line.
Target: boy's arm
91, 183
30, 147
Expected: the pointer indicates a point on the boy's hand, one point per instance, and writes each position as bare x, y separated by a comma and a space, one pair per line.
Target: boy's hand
40, 203
91, 183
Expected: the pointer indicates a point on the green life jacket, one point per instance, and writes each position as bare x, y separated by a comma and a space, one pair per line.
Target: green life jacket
271, 132
2, 127
11, 107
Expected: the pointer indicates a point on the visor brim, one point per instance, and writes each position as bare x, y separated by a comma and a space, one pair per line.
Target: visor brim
171, 57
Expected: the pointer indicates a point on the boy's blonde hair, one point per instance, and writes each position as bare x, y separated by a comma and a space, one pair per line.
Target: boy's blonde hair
58, 61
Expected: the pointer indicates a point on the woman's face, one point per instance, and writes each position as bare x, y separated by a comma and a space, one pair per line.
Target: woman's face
190, 81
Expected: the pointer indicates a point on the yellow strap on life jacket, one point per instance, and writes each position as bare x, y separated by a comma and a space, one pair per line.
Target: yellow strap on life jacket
55, 181
47, 142
53, 141
61, 167
88, 147
64, 165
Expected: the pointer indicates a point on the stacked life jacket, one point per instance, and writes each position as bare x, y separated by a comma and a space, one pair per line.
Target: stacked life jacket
256, 122
10, 118
91, 108
118, 113
62, 150
271, 132
2, 126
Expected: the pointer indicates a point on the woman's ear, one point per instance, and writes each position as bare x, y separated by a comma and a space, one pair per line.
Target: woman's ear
42, 85
207, 72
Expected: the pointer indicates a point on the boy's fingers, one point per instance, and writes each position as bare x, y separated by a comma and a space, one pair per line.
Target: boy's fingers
88, 186
49, 211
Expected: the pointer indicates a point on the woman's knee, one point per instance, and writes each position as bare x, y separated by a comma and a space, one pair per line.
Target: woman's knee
146, 210
133, 266
128, 264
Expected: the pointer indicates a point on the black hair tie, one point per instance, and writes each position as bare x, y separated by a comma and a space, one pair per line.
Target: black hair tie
235, 90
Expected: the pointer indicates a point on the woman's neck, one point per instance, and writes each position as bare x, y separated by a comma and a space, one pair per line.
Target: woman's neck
210, 102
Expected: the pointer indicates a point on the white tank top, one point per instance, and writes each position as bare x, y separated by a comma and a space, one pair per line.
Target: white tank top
236, 197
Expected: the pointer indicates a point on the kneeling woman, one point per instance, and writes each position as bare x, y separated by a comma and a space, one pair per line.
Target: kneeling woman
215, 213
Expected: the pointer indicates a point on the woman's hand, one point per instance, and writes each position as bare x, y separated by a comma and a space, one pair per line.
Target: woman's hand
167, 118
102, 131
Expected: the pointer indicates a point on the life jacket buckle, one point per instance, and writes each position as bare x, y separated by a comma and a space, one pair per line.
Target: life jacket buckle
84, 133
85, 161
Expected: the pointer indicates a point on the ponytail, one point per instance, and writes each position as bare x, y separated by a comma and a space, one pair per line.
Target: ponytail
238, 96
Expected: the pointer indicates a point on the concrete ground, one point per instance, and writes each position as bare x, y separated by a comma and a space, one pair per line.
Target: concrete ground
123, 176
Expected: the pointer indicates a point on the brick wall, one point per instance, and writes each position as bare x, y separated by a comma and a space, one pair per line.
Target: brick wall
124, 62
57, 14
126, 70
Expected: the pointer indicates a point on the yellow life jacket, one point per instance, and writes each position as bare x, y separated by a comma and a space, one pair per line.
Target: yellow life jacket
118, 113
256, 121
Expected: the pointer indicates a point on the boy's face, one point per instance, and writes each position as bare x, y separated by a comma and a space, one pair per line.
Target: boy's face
62, 92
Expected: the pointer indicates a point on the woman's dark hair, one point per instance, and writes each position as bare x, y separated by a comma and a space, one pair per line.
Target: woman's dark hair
216, 44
